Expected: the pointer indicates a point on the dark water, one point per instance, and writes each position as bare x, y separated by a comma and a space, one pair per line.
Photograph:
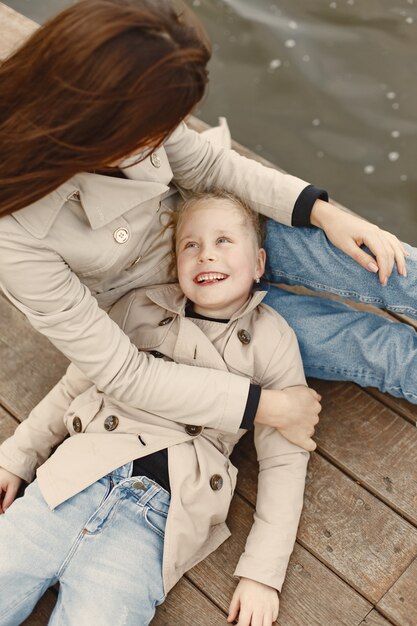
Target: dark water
325, 89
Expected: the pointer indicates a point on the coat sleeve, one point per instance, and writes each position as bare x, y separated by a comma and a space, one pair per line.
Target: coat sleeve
33, 440
281, 480
198, 164
62, 308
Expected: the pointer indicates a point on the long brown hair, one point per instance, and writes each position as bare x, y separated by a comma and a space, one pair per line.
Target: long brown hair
92, 86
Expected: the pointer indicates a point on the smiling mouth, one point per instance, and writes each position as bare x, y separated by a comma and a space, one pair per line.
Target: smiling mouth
209, 278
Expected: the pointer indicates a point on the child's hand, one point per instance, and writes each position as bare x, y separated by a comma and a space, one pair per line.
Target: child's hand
9, 486
254, 603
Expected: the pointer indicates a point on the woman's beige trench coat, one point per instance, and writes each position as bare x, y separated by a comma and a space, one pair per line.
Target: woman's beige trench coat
72, 254
201, 476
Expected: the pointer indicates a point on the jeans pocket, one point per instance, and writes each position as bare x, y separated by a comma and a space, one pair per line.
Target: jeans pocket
155, 519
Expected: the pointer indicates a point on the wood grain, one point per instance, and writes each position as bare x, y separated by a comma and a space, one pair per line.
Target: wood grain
187, 606
7, 424
399, 604
370, 442
375, 619
29, 364
43, 610
342, 524
398, 405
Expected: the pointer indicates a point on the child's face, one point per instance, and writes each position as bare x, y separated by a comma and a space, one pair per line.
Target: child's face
217, 258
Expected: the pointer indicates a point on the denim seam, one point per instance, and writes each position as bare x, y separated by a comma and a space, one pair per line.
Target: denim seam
344, 294
365, 375
19, 603
151, 526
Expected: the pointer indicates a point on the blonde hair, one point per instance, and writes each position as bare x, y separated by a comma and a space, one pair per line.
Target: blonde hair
253, 220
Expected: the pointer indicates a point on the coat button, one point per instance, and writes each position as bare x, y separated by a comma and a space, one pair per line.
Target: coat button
216, 482
156, 354
111, 422
121, 235
77, 424
165, 321
155, 160
243, 336
193, 430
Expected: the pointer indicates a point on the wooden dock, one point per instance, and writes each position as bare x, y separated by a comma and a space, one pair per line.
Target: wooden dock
355, 558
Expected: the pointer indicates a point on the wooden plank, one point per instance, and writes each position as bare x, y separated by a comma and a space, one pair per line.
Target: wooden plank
7, 425
29, 364
375, 619
18, 29
355, 534
347, 528
370, 442
186, 606
312, 594
399, 603
43, 610
400, 406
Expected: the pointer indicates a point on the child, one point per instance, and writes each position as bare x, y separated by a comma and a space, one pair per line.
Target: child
118, 517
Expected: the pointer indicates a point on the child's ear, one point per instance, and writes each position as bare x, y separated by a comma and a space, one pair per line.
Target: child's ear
260, 263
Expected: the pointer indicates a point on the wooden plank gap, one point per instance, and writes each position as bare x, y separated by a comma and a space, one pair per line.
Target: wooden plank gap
370, 443
374, 618
402, 407
203, 592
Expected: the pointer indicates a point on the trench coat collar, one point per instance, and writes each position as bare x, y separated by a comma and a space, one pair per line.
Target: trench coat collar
103, 198
171, 298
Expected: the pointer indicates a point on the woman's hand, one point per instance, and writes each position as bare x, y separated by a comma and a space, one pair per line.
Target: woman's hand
9, 486
254, 603
293, 411
349, 232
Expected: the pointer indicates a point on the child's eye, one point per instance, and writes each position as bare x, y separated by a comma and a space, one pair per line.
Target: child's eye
190, 244
223, 240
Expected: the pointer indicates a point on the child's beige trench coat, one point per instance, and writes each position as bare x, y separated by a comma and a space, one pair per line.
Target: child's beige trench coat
256, 344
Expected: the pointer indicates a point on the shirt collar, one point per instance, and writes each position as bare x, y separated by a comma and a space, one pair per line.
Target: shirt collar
103, 198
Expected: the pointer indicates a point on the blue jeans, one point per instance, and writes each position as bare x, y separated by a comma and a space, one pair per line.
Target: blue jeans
104, 546
336, 341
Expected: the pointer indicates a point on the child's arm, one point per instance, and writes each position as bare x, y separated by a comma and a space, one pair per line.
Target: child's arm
34, 439
281, 479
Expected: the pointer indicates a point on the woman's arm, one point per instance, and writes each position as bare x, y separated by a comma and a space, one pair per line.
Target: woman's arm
39, 282
196, 163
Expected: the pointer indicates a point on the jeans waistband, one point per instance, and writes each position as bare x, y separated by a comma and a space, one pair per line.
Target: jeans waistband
142, 487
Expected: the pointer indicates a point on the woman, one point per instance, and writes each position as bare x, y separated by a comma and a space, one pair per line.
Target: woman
91, 134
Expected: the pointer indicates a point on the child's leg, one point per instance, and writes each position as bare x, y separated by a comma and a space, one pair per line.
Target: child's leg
34, 542
114, 574
336, 341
